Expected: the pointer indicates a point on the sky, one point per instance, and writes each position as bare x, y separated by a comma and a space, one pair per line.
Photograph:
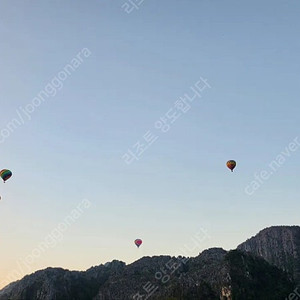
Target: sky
73, 200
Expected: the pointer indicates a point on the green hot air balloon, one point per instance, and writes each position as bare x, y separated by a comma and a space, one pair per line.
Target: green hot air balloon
5, 174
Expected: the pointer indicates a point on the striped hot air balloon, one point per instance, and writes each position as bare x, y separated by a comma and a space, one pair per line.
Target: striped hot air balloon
5, 174
231, 164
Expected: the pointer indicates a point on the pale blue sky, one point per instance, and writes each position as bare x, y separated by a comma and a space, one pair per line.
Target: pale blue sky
140, 64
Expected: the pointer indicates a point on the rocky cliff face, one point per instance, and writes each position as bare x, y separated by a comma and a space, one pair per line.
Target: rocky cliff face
213, 275
57, 283
278, 245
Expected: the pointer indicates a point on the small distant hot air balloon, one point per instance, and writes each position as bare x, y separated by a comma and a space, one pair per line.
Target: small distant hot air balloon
231, 165
138, 242
5, 174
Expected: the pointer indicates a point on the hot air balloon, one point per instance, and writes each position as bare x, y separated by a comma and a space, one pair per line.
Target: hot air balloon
5, 174
138, 242
231, 165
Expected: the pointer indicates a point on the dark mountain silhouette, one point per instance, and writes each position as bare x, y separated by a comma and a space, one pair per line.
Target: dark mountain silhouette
262, 268
278, 245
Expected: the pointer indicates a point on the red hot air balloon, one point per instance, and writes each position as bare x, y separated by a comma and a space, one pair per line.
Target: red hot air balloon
138, 242
231, 164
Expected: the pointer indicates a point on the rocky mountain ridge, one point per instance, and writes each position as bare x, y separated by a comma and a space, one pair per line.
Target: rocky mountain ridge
264, 267
278, 245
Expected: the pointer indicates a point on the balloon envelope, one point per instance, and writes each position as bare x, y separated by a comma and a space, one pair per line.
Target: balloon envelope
138, 242
231, 164
5, 174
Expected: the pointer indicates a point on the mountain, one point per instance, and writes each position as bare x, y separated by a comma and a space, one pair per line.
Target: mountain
278, 245
215, 274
